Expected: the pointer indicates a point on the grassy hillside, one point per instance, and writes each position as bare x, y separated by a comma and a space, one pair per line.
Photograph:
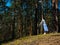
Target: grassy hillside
48, 39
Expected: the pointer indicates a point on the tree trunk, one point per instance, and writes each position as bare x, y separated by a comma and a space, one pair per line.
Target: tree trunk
55, 14
36, 20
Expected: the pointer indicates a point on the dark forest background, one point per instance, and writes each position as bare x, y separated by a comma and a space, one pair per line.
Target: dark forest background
23, 17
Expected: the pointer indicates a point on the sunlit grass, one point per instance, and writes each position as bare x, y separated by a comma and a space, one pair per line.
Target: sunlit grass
28, 39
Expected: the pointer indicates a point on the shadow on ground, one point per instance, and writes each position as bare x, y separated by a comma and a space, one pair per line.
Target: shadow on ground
9, 40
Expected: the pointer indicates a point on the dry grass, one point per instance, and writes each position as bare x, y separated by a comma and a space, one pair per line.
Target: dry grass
48, 39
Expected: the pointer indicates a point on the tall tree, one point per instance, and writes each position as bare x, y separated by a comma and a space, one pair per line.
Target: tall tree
54, 4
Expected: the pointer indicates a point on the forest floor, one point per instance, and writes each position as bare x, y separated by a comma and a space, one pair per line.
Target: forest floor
48, 39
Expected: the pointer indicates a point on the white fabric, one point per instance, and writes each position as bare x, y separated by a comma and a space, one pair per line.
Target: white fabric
44, 25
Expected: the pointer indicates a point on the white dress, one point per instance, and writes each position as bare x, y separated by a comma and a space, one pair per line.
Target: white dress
44, 25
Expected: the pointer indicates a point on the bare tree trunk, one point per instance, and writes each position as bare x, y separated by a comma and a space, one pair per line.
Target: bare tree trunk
36, 11
19, 26
30, 26
56, 15
55, 7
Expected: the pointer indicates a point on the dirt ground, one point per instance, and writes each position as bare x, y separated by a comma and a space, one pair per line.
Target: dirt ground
49, 40
53, 39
